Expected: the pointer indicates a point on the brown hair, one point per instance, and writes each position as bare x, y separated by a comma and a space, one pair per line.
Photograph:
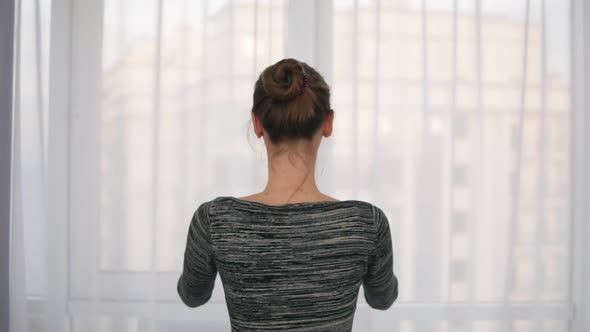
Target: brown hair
291, 99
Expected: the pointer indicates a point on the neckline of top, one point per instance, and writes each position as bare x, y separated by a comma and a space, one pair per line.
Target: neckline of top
288, 205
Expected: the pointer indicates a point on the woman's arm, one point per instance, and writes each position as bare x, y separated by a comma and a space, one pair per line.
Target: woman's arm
380, 283
197, 280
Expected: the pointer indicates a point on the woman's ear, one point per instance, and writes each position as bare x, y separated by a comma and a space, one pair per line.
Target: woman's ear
328, 124
257, 126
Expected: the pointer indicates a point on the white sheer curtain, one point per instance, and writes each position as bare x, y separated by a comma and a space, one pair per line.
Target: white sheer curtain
454, 116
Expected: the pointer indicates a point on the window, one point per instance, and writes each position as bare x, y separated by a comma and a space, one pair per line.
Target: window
468, 153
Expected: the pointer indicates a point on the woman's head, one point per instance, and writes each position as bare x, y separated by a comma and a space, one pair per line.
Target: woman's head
292, 102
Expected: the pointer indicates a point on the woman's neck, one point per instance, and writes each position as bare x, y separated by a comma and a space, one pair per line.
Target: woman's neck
288, 176
291, 178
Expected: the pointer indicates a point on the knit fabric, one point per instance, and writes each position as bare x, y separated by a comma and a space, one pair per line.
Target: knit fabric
292, 267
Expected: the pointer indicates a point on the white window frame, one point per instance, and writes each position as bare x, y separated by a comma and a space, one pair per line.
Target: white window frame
75, 78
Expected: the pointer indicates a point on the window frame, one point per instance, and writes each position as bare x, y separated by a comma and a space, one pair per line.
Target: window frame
75, 76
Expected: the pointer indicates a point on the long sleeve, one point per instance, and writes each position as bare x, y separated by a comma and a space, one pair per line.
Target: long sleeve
197, 280
380, 283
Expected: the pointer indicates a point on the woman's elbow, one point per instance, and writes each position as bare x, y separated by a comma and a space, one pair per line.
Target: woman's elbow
189, 299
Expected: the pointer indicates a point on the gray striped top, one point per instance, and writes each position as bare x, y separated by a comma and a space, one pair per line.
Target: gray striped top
292, 267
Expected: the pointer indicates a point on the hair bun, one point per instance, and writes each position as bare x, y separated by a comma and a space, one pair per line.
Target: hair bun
291, 100
284, 80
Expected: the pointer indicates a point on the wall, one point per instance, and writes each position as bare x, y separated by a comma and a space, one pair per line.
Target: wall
6, 65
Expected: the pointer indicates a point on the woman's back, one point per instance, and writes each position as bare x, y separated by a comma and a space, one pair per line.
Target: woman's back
293, 267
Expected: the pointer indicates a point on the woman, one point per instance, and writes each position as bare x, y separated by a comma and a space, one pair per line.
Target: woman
290, 257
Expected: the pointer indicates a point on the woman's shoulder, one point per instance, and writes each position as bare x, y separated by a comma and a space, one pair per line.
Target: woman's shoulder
227, 205
251, 201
